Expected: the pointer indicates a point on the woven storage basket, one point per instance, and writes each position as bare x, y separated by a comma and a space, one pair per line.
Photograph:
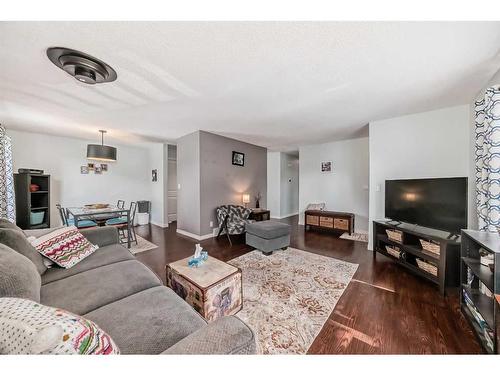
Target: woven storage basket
427, 267
394, 235
393, 250
430, 246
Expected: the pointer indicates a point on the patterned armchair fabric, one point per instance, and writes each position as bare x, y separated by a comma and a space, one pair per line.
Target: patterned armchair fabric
237, 217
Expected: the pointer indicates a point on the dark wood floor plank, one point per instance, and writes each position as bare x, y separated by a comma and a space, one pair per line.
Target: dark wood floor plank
384, 310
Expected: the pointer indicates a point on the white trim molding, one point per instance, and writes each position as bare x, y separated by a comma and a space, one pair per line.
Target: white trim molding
284, 216
161, 225
195, 236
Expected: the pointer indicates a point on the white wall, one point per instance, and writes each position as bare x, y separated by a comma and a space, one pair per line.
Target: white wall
282, 184
289, 185
274, 183
422, 145
188, 178
129, 178
343, 189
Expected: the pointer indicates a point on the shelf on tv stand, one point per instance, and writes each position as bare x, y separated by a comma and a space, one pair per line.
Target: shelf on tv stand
447, 261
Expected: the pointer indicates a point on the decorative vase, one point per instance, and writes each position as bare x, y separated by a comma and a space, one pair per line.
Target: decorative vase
257, 204
34, 187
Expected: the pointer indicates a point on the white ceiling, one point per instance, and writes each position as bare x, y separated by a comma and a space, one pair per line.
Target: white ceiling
275, 84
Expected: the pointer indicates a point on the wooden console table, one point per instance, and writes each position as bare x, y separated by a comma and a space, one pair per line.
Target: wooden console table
330, 220
260, 214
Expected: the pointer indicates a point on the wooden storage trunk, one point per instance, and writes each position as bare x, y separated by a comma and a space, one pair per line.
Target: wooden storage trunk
214, 289
329, 220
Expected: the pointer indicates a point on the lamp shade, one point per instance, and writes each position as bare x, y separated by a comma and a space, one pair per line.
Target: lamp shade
101, 152
246, 198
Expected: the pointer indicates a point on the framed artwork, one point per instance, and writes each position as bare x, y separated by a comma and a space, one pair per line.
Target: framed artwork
326, 166
97, 170
104, 167
154, 175
84, 169
238, 159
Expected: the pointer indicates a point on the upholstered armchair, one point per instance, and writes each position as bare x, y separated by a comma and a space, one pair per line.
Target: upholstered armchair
232, 219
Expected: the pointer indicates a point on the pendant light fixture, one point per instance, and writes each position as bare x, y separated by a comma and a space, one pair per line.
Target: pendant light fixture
101, 152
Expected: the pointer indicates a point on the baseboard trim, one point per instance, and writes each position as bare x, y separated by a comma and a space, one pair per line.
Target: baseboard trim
284, 216
161, 225
195, 236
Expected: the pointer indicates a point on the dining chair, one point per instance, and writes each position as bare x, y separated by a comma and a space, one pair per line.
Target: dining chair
122, 225
63, 213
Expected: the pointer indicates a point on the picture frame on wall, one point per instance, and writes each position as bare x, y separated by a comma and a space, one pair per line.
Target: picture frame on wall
154, 175
326, 166
238, 159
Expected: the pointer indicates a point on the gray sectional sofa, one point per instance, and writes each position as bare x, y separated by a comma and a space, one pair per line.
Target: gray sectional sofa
128, 301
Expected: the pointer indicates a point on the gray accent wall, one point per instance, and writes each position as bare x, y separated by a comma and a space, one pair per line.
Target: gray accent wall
188, 180
224, 183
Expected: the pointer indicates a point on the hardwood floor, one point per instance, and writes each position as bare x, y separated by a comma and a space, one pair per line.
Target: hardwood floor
384, 310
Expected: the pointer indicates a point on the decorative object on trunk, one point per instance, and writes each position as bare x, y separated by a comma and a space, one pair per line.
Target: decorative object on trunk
238, 158
7, 197
258, 197
326, 166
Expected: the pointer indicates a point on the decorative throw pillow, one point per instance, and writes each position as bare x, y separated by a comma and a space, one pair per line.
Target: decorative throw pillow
65, 246
6, 224
18, 275
316, 206
27, 327
17, 241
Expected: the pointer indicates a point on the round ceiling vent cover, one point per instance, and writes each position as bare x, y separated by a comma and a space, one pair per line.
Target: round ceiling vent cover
83, 67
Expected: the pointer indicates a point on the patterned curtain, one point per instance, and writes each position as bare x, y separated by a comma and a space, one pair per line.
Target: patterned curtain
487, 118
7, 199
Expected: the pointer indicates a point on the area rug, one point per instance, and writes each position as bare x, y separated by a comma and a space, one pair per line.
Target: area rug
142, 245
362, 237
289, 295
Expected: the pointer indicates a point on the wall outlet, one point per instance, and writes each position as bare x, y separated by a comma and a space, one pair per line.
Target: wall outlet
211, 224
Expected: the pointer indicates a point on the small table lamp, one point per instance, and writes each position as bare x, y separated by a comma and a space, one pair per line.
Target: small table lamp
245, 199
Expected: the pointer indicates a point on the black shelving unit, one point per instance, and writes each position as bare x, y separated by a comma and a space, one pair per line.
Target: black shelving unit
479, 284
28, 203
447, 261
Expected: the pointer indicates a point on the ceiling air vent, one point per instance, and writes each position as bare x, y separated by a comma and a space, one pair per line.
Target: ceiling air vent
83, 67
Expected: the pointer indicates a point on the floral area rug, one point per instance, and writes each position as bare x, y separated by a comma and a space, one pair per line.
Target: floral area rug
289, 295
362, 237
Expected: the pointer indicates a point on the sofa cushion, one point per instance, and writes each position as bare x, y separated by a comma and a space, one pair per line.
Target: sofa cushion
268, 229
65, 246
227, 335
89, 290
18, 275
27, 327
148, 322
6, 224
102, 257
16, 240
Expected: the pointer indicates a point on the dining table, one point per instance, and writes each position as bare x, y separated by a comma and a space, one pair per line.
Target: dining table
100, 215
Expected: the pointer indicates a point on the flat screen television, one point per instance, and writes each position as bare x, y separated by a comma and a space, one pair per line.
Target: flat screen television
438, 203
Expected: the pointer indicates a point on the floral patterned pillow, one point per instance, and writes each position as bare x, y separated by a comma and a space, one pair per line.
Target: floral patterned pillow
27, 327
316, 206
65, 246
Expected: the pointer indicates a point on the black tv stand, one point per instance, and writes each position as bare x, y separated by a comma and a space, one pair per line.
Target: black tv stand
447, 261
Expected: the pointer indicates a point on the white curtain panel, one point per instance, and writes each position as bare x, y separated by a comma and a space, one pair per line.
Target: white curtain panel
487, 118
7, 199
